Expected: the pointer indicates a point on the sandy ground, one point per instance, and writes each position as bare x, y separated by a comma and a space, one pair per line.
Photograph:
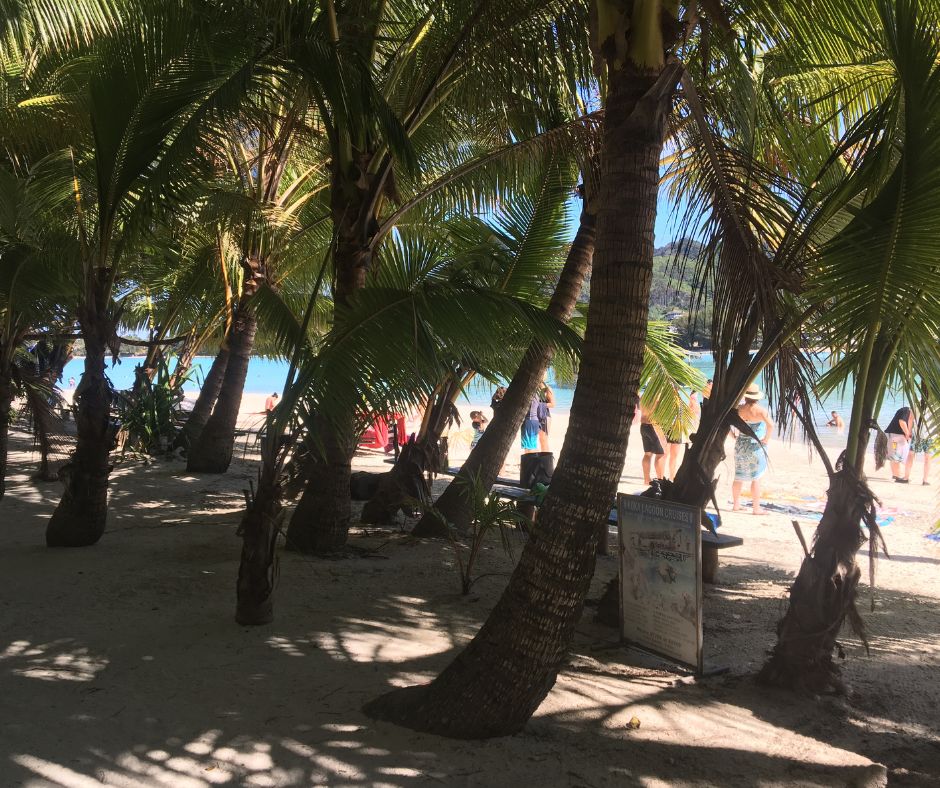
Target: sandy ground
120, 664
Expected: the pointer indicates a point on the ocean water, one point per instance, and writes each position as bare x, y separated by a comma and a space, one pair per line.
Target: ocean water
266, 375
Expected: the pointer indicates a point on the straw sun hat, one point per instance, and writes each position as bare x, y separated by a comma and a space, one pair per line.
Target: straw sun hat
753, 392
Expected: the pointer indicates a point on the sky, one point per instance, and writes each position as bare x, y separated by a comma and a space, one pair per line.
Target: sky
667, 222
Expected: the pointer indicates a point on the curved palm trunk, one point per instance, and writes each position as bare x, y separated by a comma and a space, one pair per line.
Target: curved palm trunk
488, 456
408, 480
497, 682
695, 478
79, 519
212, 450
206, 400
43, 423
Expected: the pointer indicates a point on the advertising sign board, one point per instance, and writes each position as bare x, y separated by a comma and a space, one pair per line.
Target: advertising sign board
661, 578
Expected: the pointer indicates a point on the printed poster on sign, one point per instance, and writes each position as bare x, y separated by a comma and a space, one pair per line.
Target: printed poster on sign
661, 578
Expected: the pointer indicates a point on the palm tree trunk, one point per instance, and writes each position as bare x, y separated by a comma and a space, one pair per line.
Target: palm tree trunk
206, 400
823, 594
497, 682
695, 478
488, 456
44, 420
257, 568
212, 450
6, 403
80, 518
407, 481
320, 523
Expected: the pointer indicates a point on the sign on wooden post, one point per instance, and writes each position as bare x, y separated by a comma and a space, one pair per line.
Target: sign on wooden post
661, 578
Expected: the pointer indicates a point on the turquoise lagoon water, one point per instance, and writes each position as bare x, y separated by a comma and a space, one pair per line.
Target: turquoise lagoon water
266, 375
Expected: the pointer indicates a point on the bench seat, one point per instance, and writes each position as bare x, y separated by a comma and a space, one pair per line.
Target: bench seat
711, 542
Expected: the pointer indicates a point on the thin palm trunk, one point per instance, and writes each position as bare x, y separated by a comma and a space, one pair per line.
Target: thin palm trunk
257, 568
454, 506
407, 482
43, 425
320, 523
824, 593
212, 450
497, 682
44, 419
206, 400
6, 404
80, 518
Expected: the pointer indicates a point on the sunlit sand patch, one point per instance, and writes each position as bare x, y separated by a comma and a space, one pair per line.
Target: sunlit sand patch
49, 662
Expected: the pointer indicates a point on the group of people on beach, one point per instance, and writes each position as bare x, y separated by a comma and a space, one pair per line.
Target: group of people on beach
533, 434
662, 448
751, 439
750, 454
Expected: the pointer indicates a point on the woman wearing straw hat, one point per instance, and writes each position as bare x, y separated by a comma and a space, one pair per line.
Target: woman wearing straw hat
750, 456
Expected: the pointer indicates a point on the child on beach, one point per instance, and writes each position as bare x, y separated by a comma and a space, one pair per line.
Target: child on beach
478, 422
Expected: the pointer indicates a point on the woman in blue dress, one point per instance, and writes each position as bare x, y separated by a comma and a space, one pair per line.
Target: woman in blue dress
750, 455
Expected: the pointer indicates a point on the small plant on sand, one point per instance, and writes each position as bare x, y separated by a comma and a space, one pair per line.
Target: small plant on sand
490, 513
152, 414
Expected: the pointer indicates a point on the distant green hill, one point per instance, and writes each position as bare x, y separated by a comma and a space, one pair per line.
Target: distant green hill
671, 294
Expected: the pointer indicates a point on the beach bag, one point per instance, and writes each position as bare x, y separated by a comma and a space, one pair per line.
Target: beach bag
536, 468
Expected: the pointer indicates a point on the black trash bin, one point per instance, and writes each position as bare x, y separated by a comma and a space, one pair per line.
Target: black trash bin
536, 468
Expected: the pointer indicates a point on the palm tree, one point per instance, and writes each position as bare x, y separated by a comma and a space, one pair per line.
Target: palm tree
514, 251
877, 277
416, 301
150, 90
496, 683
487, 457
278, 183
444, 97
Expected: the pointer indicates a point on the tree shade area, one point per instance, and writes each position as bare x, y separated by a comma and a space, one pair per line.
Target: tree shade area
353, 308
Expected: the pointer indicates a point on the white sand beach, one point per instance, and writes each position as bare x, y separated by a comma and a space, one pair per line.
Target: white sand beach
130, 670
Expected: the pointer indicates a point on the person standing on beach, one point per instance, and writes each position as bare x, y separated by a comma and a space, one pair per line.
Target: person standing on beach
653, 441
921, 445
547, 402
750, 454
497, 398
899, 433
922, 442
529, 433
271, 402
